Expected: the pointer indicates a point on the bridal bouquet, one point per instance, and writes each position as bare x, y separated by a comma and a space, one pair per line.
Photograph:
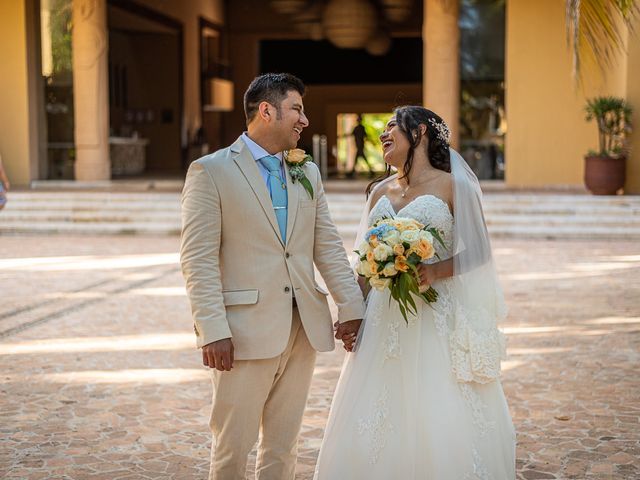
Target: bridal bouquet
390, 254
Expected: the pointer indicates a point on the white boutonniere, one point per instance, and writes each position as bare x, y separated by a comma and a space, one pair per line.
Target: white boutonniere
295, 159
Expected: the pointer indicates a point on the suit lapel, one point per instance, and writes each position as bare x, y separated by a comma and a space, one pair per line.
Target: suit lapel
293, 193
247, 165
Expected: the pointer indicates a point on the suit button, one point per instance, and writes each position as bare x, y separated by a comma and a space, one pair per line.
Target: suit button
286, 289
287, 254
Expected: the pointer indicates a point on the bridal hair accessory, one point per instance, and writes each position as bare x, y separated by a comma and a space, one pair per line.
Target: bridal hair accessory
444, 133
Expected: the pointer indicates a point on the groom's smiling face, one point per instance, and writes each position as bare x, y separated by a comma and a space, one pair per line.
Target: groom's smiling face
290, 121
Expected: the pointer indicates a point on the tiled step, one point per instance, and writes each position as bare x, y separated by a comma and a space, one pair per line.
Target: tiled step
508, 214
116, 228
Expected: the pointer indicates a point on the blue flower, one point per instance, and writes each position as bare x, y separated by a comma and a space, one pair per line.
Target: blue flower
380, 231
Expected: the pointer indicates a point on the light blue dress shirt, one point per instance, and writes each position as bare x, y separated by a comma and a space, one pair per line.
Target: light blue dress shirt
258, 152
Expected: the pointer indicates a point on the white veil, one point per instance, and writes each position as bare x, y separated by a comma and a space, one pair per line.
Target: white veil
476, 344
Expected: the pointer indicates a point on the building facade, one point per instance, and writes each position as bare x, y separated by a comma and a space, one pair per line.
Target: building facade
165, 78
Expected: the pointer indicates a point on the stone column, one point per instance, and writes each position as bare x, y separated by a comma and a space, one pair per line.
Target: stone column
441, 79
90, 90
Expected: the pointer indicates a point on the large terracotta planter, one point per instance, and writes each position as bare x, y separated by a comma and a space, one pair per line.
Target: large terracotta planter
604, 175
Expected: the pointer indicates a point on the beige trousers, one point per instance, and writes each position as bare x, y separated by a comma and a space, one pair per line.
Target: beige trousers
261, 396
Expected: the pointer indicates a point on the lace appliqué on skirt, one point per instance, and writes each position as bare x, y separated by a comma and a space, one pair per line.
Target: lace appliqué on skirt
480, 472
476, 407
476, 354
376, 426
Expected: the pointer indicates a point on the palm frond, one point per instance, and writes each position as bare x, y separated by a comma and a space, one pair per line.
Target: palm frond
593, 30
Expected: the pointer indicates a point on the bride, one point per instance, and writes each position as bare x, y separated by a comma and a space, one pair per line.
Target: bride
423, 400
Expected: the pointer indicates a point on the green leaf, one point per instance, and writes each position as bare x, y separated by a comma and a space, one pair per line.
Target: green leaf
403, 311
413, 284
412, 302
307, 186
414, 258
405, 294
437, 236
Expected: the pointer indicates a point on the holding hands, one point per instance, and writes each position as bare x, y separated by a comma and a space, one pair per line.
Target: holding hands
348, 332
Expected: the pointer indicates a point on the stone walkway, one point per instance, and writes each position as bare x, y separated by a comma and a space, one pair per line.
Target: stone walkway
100, 379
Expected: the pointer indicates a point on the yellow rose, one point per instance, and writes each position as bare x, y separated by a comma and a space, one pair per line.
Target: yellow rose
370, 257
425, 249
373, 241
408, 224
379, 283
398, 249
401, 263
296, 155
373, 268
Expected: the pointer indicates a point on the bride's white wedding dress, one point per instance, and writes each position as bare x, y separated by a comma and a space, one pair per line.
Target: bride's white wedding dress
401, 409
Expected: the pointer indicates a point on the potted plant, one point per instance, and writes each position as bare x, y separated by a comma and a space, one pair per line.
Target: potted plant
604, 172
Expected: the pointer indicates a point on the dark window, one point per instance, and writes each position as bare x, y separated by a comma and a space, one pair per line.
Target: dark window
322, 63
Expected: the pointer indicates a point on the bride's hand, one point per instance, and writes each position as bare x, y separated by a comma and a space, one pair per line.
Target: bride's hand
349, 342
427, 275
348, 332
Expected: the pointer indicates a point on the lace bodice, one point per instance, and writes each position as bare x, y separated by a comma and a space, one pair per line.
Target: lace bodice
427, 209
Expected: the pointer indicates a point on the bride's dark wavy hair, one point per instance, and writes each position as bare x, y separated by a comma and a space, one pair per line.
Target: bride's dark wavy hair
409, 118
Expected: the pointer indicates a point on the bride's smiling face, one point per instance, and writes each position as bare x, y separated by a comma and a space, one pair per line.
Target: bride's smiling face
395, 145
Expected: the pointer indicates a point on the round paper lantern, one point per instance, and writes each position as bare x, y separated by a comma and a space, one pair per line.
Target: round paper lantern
349, 23
379, 44
309, 22
288, 6
397, 10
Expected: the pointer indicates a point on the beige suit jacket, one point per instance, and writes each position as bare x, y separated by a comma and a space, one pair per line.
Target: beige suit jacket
241, 276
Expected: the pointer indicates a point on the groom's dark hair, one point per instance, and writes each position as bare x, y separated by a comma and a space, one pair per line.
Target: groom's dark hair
272, 88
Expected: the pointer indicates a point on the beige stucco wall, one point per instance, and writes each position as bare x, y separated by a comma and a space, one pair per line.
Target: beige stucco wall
441, 70
633, 96
547, 134
16, 146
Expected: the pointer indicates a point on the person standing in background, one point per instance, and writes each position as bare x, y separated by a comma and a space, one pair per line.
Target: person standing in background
359, 134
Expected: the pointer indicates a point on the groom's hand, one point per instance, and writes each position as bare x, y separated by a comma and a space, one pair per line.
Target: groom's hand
347, 332
218, 355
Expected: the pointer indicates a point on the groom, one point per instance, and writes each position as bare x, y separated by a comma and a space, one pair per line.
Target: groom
250, 239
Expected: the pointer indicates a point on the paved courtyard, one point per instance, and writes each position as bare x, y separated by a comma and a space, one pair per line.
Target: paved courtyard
99, 377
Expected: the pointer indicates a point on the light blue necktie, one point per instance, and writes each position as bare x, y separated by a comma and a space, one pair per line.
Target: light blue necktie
278, 191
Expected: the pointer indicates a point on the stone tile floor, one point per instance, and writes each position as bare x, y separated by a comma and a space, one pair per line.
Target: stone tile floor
99, 378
